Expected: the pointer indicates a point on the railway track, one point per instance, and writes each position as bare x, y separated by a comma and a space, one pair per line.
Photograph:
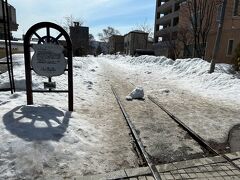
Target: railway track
137, 139
193, 134
139, 143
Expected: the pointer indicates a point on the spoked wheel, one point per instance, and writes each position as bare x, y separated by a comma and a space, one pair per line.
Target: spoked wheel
48, 38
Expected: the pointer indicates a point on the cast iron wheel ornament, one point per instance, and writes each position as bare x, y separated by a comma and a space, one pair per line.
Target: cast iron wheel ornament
44, 40
47, 39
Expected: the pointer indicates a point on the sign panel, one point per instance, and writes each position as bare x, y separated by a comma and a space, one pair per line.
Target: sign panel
48, 60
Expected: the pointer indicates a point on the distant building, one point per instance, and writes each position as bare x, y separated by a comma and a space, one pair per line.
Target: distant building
116, 44
80, 39
97, 47
12, 20
135, 40
17, 46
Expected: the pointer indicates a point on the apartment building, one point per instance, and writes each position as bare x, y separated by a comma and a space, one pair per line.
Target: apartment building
166, 26
12, 19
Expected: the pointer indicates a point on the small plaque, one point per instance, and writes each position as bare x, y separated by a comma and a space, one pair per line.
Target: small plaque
49, 85
48, 60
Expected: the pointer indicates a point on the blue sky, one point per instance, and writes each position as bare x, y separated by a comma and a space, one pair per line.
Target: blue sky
123, 15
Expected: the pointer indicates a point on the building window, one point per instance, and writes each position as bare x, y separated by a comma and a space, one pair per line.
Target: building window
236, 8
230, 47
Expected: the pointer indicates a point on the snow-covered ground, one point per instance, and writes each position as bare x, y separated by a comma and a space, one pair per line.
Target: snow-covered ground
208, 103
188, 74
47, 140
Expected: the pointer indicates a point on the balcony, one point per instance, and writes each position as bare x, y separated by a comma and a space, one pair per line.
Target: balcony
166, 7
168, 18
166, 31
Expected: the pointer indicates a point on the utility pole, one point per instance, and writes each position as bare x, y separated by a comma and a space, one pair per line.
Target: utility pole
218, 38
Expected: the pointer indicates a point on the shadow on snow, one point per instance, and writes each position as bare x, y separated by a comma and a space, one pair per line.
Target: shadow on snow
37, 123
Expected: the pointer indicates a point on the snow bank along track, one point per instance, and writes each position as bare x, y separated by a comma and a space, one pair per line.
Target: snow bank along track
144, 155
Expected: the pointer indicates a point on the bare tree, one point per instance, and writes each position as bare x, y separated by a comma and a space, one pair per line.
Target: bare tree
69, 21
172, 45
91, 43
91, 38
145, 27
174, 48
107, 33
185, 38
201, 18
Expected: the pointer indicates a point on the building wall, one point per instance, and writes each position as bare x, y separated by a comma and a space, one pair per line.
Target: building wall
80, 40
127, 44
231, 30
135, 40
116, 44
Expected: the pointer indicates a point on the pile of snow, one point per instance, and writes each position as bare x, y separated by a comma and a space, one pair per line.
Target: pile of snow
137, 93
188, 74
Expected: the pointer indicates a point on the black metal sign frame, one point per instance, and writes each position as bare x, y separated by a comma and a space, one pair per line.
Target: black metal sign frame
8, 48
48, 38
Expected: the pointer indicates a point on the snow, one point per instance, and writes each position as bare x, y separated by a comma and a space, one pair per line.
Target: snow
188, 74
45, 134
45, 139
137, 93
213, 99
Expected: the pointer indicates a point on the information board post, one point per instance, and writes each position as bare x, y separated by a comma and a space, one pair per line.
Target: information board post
48, 60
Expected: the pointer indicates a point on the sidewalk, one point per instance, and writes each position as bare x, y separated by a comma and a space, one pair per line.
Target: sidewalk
205, 168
